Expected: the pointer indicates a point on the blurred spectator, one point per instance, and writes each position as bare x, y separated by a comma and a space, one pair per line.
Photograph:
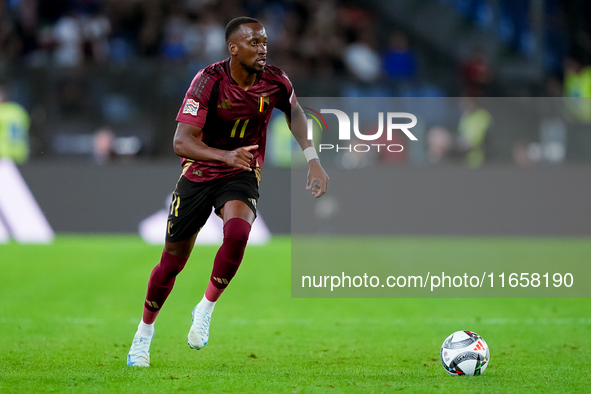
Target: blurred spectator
310, 35
515, 24
553, 137
439, 142
468, 144
360, 54
395, 150
9, 41
577, 78
354, 17
135, 28
69, 40
214, 41
193, 41
280, 143
150, 29
521, 153
27, 25
14, 129
398, 59
103, 145
363, 61
175, 25
577, 84
96, 28
472, 129
476, 75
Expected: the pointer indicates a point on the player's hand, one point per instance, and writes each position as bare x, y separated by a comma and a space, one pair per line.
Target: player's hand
317, 179
240, 157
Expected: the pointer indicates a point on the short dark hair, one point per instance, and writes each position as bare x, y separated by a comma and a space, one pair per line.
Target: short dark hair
235, 24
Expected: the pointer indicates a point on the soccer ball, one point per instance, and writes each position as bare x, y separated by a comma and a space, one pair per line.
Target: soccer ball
464, 353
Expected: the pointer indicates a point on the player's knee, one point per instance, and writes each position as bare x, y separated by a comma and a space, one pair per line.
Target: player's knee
237, 229
171, 265
236, 232
175, 269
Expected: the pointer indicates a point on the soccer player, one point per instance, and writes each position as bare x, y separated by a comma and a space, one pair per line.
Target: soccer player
221, 137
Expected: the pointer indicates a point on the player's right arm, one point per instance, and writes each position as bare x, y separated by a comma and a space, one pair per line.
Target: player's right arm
188, 144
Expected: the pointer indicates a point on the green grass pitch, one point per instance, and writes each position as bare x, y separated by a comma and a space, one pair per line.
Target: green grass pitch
68, 312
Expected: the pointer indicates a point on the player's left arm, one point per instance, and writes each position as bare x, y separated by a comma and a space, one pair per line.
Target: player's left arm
317, 177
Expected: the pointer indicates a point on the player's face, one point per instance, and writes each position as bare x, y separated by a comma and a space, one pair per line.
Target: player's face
251, 47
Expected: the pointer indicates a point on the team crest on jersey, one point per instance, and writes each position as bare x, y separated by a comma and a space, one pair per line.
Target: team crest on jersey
191, 107
263, 103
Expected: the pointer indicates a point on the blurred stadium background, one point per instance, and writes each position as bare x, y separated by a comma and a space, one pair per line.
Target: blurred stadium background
102, 81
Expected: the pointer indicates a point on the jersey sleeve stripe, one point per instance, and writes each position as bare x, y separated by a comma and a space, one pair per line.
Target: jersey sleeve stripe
204, 78
200, 85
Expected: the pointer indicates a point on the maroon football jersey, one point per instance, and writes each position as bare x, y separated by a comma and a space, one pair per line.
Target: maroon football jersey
232, 117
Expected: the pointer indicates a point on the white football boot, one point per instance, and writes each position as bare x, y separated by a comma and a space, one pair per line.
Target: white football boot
199, 332
139, 354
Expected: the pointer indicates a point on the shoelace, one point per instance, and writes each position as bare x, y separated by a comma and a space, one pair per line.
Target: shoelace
139, 346
202, 322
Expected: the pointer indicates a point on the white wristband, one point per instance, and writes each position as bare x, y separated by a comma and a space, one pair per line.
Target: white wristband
310, 153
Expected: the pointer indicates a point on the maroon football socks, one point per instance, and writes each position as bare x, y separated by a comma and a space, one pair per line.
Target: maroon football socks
225, 266
161, 283
228, 257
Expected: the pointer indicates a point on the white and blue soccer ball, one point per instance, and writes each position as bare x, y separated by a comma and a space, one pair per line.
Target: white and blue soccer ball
464, 353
